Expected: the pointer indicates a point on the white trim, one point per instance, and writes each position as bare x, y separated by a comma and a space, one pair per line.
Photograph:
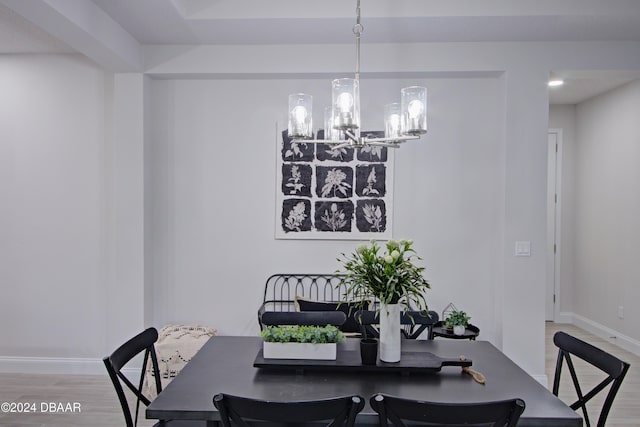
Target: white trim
51, 365
58, 365
565, 317
608, 334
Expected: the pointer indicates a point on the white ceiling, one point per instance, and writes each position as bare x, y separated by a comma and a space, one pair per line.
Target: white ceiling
113, 31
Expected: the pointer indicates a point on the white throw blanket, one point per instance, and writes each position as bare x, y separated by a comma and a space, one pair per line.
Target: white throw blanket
176, 345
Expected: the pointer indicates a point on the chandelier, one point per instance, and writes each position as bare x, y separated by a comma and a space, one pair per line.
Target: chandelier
404, 121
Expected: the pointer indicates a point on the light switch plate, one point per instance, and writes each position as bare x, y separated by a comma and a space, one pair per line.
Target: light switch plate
523, 249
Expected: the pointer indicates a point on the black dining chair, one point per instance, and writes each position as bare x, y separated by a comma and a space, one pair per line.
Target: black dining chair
315, 318
504, 413
238, 411
615, 369
413, 323
141, 343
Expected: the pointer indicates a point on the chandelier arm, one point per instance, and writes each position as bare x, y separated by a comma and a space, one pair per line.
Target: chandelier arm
395, 141
317, 141
343, 145
351, 137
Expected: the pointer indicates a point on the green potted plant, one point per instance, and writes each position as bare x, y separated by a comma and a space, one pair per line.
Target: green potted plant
457, 320
392, 276
301, 342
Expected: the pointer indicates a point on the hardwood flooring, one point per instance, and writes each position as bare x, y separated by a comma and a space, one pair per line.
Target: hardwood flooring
626, 408
100, 408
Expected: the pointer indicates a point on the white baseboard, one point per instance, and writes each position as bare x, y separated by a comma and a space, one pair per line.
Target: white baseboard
564, 317
51, 365
614, 337
57, 365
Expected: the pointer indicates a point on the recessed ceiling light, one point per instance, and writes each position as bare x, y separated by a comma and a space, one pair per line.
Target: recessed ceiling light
556, 82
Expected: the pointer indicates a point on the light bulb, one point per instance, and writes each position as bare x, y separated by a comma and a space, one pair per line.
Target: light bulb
345, 101
415, 108
394, 120
299, 113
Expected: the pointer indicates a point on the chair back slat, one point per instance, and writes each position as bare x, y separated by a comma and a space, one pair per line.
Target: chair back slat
236, 411
316, 318
130, 349
504, 413
141, 343
602, 360
615, 368
413, 322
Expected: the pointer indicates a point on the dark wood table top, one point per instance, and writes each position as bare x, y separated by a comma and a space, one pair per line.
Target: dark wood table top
225, 365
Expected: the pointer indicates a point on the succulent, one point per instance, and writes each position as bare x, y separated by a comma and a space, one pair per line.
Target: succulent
303, 334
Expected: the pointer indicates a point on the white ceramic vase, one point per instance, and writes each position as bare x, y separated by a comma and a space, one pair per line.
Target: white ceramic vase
458, 330
390, 332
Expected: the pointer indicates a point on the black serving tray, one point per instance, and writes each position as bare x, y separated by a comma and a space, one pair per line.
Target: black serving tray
349, 360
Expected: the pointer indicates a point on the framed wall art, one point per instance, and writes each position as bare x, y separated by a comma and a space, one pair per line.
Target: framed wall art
325, 193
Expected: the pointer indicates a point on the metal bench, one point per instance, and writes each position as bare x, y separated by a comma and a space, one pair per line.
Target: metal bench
281, 290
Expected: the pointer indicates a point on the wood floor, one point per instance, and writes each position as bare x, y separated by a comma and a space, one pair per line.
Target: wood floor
100, 408
626, 408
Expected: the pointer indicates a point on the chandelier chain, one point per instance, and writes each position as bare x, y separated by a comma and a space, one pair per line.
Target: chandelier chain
357, 30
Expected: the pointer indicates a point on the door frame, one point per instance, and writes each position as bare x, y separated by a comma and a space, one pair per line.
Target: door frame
554, 209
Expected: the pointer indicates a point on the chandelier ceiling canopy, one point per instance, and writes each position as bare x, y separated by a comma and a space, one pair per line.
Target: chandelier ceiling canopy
404, 121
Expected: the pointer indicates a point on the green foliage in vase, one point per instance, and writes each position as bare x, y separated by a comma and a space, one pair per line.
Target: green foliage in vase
457, 318
303, 334
390, 275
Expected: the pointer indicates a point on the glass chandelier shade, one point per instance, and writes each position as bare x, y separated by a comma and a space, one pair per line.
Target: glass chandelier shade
392, 120
300, 116
345, 97
414, 110
330, 132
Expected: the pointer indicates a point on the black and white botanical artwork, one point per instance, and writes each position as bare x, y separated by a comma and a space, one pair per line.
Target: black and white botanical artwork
334, 216
373, 153
296, 215
326, 193
296, 179
326, 152
295, 151
371, 216
370, 180
334, 181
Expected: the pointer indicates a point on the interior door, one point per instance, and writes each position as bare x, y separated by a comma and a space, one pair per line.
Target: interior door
553, 223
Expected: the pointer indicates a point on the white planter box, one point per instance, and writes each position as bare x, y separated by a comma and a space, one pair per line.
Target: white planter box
294, 350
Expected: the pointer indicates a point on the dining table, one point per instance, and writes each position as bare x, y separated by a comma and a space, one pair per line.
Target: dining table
225, 364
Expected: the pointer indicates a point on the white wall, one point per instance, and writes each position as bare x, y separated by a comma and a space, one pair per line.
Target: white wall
607, 208
72, 142
53, 207
213, 185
